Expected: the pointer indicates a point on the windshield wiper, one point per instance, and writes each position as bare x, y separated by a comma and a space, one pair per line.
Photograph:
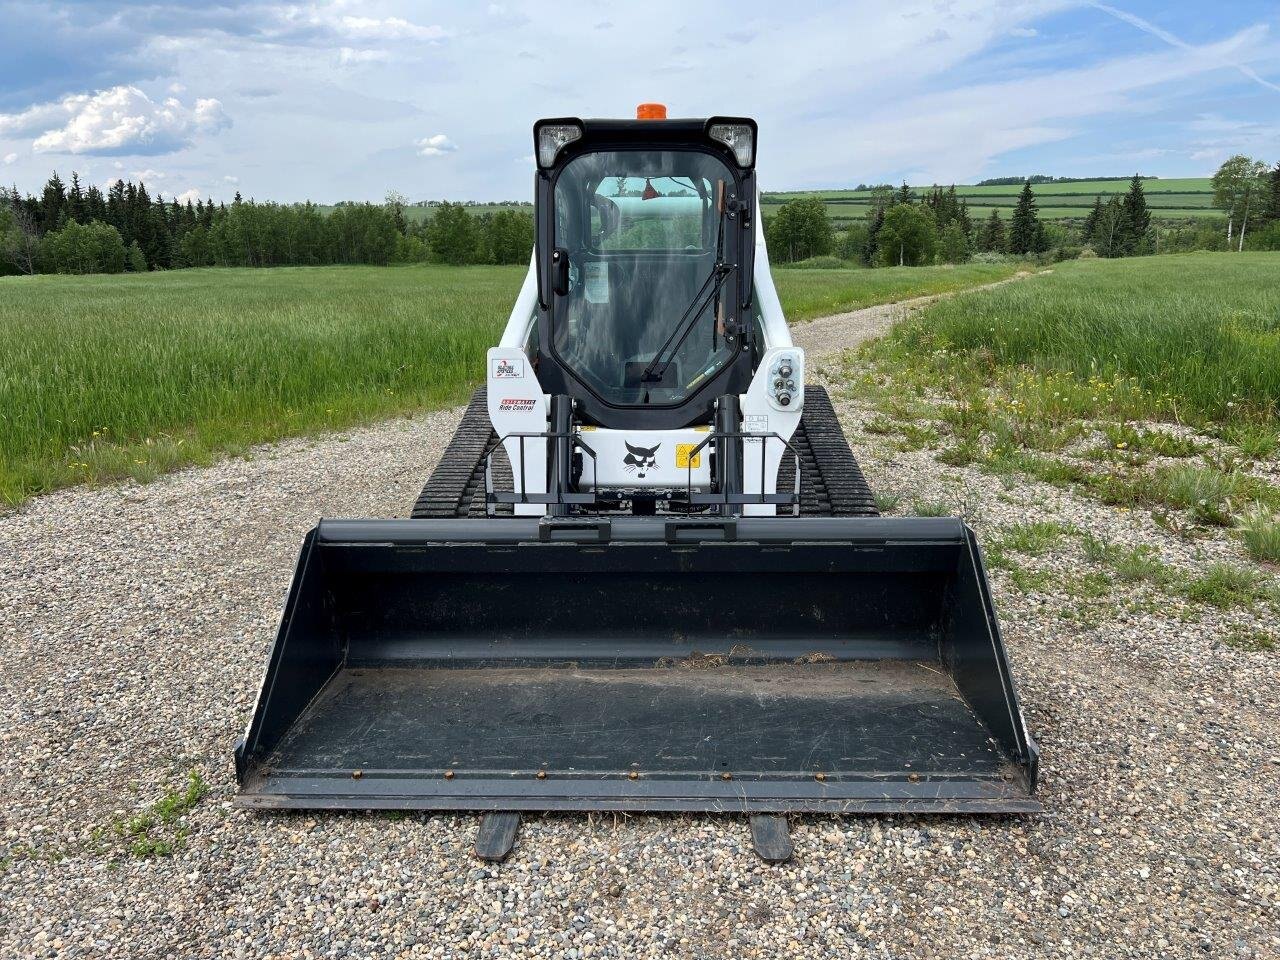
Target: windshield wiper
657, 367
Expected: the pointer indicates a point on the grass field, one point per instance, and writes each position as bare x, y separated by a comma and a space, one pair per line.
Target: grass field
1171, 199
1149, 383
806, 294
110, 376
1197, 334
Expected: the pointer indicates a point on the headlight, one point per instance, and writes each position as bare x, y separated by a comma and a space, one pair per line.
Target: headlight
553, 138
738, 137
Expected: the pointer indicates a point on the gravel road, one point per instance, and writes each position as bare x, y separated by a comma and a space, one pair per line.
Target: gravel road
841, 331
134, 622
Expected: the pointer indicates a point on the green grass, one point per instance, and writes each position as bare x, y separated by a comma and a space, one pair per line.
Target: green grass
1190, 337
1138, 564
157, 831
807, 294
1224, 585
1033, 539
110, 376
1260, 531
1250, 641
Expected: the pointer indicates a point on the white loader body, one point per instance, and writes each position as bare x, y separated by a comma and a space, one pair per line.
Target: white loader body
650, 460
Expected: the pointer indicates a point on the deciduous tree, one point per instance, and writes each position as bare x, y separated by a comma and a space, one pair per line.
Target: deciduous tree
1237, 189
907, 238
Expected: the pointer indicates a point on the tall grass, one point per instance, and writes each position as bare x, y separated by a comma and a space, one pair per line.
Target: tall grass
1199, 333
810, 293
130, 375
111, 376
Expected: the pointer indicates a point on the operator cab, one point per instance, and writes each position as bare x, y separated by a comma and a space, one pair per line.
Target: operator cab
645, 240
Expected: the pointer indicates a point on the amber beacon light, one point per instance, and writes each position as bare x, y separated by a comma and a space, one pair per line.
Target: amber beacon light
651, 111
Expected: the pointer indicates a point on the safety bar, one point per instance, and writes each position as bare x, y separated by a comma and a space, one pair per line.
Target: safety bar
724, 498
492, 497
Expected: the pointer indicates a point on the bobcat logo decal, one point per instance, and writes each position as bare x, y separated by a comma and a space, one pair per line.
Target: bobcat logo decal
640, 460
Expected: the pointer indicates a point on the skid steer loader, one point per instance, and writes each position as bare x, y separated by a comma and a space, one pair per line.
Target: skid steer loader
647, 574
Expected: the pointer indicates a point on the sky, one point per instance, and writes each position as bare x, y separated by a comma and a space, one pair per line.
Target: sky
346, 100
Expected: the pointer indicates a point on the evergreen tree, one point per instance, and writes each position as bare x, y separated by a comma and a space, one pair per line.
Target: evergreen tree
1091, 221
118, 210
75, 200
134, 259
993, 238
872, 247
904, 194
962, 215
1137, 216
1023, 226
1273, 196
1041, 243
95, 206
52, 203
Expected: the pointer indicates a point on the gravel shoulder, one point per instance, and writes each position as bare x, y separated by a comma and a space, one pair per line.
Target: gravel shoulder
135, 621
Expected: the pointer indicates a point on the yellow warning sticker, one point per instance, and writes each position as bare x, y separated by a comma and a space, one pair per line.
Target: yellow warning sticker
682, 456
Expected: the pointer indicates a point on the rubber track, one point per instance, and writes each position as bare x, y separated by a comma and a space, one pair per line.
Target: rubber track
831, 483
456, 486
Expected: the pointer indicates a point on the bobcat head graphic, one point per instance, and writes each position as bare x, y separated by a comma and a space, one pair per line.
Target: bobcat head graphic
640, 460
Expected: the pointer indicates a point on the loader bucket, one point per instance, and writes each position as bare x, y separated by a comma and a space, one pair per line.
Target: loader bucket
762, 665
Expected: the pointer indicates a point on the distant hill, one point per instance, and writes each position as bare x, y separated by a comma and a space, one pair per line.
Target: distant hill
1058, 199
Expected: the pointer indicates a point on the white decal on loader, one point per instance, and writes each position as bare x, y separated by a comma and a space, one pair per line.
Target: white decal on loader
508, 369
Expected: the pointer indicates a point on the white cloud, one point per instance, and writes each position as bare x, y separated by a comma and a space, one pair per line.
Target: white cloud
435, 146
1024, 32
230, 179
121, 119
188, 196
9, 158
388, 28
352, 55
148, 174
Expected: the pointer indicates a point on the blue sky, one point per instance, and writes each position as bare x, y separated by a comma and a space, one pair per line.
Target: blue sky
348, 100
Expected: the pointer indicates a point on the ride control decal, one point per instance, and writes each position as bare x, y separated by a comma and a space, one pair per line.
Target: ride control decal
504, 369
640, 460
516, 404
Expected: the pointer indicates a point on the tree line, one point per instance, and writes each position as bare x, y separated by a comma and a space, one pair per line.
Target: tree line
904, 229
73, 229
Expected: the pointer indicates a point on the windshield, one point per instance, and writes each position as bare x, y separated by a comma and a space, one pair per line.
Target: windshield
642, 230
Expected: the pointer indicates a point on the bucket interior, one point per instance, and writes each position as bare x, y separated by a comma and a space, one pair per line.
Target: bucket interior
636, 676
